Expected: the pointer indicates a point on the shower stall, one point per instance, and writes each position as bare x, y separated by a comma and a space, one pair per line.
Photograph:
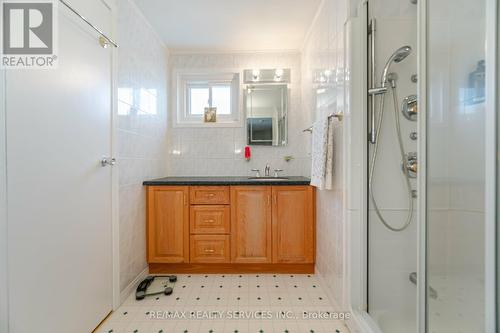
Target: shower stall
422, 199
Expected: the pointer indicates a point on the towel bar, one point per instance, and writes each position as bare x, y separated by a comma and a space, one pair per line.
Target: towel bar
339, 116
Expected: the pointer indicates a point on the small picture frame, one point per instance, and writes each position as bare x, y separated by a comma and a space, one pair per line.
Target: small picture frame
210, 115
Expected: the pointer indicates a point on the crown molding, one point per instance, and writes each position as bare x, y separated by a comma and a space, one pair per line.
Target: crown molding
210, 51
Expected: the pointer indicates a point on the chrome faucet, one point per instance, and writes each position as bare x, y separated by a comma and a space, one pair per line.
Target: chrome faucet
257, 172
267, 170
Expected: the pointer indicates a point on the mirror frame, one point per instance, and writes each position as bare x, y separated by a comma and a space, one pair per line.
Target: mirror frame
283, 89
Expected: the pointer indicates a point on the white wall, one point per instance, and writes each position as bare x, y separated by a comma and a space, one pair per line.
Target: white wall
3, 212
220, 151
141, 130
324, 50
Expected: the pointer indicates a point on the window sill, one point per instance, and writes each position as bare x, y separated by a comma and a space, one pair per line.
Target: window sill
233, 124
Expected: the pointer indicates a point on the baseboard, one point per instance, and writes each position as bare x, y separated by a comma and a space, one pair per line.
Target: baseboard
329, 290
231, 268
125, 293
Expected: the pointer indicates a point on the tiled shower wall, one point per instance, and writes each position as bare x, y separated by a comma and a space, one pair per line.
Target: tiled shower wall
392, 256
219, 151
141, 130
323, 94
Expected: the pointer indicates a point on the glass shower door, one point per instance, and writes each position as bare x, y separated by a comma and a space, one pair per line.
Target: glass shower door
456, 157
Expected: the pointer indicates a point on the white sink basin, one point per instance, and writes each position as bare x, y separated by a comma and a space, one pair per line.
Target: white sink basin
268, 178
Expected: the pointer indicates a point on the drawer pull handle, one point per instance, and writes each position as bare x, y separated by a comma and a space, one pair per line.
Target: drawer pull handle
210, 195
209, 251
210, 221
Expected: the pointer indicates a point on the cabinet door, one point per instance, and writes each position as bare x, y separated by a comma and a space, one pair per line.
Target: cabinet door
251, 231
293, 224
168, 224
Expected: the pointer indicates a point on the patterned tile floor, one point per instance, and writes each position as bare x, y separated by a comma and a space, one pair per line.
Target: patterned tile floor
257, 303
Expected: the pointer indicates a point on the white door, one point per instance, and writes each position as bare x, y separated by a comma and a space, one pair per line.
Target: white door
59, 195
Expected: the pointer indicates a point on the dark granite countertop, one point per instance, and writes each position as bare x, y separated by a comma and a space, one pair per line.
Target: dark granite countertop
216, 181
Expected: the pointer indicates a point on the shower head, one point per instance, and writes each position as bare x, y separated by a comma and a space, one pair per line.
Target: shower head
401, 53
398, 56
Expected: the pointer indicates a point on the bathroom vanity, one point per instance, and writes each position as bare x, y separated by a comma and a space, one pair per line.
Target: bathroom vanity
230, 225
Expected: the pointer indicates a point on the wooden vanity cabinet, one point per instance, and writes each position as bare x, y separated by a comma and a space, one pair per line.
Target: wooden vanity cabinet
210, 225
167, 226
293, 224
251, 235
231, 229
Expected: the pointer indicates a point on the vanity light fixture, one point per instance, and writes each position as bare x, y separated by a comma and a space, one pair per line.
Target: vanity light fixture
269, 75
278, 75
256, 74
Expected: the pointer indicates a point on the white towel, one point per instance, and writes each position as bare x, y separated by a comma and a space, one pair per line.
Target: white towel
322, 154
329, 156
319, 152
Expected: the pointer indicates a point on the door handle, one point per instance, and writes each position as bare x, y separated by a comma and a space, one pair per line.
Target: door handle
105, 161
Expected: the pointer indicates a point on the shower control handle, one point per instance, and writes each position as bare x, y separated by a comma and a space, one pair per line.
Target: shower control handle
411, 164
409, 107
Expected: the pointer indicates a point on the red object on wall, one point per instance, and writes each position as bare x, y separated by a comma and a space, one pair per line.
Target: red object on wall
248, 153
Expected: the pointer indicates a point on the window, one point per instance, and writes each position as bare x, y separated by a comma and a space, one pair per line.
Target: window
195, 92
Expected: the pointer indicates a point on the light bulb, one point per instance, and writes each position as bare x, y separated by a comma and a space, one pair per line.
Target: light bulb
256, 74
278, 74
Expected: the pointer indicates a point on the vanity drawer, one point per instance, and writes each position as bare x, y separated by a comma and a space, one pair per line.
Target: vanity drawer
210, 249
209, 195
210, 219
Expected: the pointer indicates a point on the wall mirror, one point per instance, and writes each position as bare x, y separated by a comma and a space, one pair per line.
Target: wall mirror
266, 109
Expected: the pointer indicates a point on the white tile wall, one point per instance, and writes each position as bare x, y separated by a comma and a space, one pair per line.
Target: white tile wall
324, 50
393, 256
219, 151
141, 129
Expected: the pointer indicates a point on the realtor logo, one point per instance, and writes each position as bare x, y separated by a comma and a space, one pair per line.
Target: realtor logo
28, 34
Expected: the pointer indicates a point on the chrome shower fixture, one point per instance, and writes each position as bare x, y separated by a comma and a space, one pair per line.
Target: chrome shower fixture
409, 107
409, 161
392, 78
398, 56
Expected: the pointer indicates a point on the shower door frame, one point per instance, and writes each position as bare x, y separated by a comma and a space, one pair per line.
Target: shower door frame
492, 299
356, 224
491, 165
356, 173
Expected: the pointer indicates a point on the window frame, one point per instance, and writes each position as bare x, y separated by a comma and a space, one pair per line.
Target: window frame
187, 80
